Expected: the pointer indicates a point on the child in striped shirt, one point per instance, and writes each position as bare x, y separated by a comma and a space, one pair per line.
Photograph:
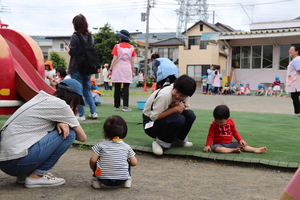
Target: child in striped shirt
112, 157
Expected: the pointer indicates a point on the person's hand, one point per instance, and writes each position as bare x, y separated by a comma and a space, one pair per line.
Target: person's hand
179, 108
207, 149
67, 47
243, 143
63, 129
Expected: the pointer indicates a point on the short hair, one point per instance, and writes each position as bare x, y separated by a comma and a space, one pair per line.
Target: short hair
115, 126
185, 85
62, 72
154, 56
70, 98
80, 24
221, 112
297, 48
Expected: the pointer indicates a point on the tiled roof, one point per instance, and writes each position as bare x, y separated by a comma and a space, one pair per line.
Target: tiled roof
168, 42
289, 30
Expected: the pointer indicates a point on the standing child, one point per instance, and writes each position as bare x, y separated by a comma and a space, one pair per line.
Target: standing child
269, 91
276, 87
220, 134
241, 89
112, 157
141, 78
204, 84
247, 89
216, 81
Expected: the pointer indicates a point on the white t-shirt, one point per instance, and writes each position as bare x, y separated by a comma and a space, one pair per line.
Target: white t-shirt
104, 73
113, 159
40, 116
51, 73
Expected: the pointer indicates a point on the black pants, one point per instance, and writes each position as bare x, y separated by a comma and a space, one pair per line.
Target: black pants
117, 94
296, 102
170, 79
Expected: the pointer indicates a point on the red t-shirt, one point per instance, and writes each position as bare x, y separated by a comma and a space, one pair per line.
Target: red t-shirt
122, 45
222, 134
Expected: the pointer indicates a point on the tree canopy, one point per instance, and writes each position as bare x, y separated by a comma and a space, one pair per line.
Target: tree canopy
105, 39
57, 60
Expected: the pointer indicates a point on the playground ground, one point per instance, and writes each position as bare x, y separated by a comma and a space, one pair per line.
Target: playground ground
171, 177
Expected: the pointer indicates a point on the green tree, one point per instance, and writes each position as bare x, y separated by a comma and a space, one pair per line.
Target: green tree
57, 60
105, 40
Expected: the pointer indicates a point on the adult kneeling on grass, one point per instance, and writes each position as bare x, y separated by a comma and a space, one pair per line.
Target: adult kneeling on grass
39, 133
166, 116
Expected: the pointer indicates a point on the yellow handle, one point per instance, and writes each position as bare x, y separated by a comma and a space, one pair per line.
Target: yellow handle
4, 92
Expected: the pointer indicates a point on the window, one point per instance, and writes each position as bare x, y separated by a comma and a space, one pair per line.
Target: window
284, 58
195, 72
196, 40
166, 52
62, 47
252, 57
201, 27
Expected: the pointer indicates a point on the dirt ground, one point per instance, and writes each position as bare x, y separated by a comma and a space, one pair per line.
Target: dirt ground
171, 177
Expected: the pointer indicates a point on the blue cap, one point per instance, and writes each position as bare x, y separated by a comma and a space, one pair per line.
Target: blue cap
72, 85
277, 77
204, 76
260, 86
242, 84
232, 84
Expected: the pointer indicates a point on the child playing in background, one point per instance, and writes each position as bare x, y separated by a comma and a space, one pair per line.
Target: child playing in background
269, 91
232, 88
247, 89
226, 89
241, 89
220, 134
276, 87
204, 83
112, 157
260, 91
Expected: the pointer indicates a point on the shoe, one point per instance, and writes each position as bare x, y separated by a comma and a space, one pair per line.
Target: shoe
118, 109
21, 179
126, 109
127, 184
187, 144
47, 180
82, 118
95, 183
157, 149
93, 116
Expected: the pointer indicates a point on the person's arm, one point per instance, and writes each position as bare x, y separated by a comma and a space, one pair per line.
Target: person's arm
93, 161
113, 62
179, 108
209, 139
80, 134
133, 161
132, 66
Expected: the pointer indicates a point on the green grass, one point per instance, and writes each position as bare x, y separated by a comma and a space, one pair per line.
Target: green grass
278, 132
110, 93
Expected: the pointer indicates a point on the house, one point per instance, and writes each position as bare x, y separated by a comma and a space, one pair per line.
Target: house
197, 56
258, 55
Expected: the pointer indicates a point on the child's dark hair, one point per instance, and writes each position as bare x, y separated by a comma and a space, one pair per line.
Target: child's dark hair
185, 85
221, 112
115, 126
70, 98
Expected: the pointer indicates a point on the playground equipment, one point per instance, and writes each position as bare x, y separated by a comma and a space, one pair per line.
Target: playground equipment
22, 69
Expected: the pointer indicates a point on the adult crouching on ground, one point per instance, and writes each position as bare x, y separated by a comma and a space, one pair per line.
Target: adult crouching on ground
164, 70
166, 116
39, 133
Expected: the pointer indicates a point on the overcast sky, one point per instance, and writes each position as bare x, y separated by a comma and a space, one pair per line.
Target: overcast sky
46, 18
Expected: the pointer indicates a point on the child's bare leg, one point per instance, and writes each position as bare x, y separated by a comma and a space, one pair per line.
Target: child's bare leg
227, 150
255, 150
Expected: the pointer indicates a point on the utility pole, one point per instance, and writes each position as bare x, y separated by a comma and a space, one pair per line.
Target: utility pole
147, 38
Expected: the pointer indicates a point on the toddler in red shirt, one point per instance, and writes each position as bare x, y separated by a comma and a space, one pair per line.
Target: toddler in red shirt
220, 134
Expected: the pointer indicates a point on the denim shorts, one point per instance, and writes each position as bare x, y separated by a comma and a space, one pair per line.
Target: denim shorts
231, 145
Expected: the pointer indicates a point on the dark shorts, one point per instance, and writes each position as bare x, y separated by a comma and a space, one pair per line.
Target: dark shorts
231, 145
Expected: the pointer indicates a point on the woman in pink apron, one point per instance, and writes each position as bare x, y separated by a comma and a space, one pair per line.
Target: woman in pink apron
122, 68
293, 78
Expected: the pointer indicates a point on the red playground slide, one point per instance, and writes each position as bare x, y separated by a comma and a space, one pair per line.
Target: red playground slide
21, 70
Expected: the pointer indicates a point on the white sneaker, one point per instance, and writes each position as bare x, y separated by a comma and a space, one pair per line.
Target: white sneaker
126, 109
80, 118
127, 184
93, 116
95, 183
47, 180
157, 149
187, 144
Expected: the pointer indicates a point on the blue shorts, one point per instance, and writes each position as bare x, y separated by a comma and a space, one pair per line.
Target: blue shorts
231, 145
